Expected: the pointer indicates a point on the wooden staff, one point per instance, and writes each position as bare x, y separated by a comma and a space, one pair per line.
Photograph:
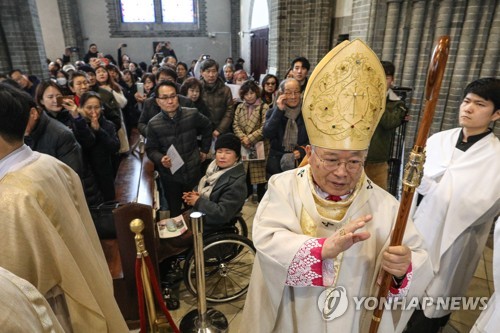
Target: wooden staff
414, 168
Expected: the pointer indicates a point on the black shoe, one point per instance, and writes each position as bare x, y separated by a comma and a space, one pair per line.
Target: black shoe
173, 304
170, 299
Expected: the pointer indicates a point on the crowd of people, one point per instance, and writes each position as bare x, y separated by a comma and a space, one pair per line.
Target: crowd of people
326, 218
125, 94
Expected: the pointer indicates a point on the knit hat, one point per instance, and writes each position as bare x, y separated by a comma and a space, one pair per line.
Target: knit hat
229, 141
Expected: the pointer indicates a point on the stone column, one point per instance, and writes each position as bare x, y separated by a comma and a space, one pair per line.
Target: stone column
22, 42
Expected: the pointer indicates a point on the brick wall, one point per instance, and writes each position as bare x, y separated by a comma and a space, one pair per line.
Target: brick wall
72, 29
298, 28
23, 44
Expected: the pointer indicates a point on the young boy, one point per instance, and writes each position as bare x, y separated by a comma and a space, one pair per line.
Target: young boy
460, 199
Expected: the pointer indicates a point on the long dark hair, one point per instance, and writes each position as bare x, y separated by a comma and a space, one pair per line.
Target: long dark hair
110, 81
265, 95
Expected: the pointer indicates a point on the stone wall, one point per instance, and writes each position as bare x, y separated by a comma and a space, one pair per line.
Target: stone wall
22, 43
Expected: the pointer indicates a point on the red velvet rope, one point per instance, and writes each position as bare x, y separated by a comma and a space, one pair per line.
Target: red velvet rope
140, 294
157, 292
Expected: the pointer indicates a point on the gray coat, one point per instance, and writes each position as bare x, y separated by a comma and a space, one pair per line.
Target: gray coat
227, 198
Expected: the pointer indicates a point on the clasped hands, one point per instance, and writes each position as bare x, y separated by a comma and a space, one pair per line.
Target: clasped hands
395, 260
190, 198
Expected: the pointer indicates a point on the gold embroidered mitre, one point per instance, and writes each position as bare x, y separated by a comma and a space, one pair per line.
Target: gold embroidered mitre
345, 98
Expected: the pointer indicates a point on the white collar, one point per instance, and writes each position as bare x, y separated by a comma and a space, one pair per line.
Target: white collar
16, 160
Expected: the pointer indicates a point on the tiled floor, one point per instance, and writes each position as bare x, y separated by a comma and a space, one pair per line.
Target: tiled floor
461, 321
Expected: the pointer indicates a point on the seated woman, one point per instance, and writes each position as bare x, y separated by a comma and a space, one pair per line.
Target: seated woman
221, 193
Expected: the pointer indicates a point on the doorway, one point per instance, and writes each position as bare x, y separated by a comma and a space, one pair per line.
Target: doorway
259, 52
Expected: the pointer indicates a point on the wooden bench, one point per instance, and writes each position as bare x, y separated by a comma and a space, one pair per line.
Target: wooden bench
136, 191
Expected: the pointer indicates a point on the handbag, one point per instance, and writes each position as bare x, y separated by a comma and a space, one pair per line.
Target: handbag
104, 222
122, 137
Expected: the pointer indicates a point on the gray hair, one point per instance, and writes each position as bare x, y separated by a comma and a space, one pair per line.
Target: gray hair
228, 66
284, 82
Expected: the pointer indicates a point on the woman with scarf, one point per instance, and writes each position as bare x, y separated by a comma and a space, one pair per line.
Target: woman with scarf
249, 119
285, 129
221, 193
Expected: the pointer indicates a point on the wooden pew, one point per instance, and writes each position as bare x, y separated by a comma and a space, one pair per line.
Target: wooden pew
136, 191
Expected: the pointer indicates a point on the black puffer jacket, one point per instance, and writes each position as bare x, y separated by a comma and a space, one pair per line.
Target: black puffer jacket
151, 109
180, 131
53, 138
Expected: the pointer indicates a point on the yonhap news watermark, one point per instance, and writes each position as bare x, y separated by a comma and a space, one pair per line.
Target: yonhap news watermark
333, 303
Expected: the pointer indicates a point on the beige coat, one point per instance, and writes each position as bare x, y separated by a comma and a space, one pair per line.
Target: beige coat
251, 127
48, 238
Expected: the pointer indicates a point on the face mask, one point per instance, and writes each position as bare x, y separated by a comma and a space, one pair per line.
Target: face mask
61, 81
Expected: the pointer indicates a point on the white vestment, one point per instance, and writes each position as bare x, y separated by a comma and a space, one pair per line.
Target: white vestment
272, 306
489, 320
461, 199
48, 238
22, 307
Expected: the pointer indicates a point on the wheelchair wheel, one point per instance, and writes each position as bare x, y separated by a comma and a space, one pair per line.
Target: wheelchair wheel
241, 226
228, 266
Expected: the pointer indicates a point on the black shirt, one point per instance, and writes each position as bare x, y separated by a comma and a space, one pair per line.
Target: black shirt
463, 146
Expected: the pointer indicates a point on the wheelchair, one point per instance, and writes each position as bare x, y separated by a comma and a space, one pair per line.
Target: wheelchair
228, 260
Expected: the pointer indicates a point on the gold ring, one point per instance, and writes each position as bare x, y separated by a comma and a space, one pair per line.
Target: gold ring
342, 232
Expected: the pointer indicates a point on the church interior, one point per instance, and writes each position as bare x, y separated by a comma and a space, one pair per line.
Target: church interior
266, 35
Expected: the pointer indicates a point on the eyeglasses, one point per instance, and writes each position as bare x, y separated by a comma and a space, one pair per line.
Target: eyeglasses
292, 93
167, 97
352, 166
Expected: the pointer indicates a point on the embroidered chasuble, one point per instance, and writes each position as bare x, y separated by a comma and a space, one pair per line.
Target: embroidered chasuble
286, 219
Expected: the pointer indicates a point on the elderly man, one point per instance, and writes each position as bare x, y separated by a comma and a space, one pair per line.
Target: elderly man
173, 131
322, 231
285, 129
48, 236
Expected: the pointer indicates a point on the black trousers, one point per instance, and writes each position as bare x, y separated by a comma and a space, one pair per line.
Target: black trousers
261, 188
419, 323
173, 193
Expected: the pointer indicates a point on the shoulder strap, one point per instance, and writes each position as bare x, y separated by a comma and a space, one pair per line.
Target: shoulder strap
260, 112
